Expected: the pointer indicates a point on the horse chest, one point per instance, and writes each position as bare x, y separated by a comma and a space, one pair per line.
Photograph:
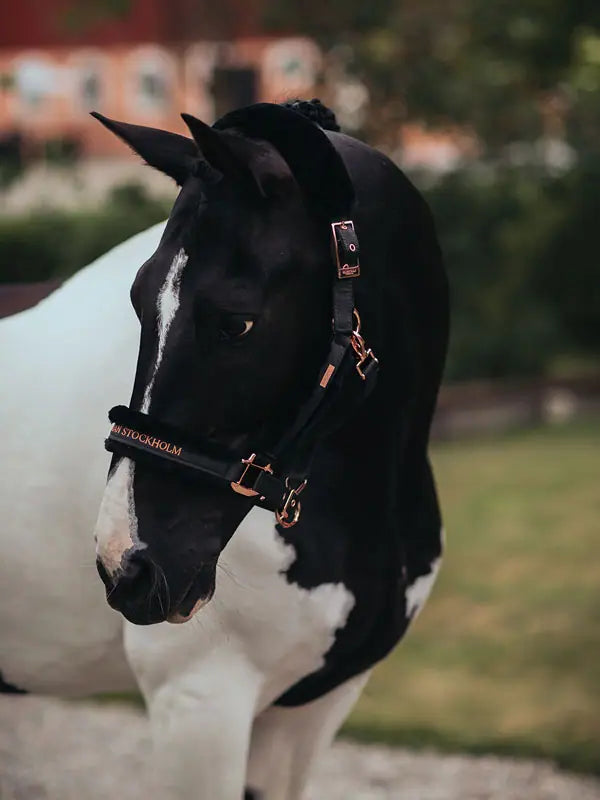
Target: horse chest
286, 629
281, 630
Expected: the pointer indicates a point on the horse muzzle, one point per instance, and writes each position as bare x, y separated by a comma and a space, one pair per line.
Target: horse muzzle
140, 592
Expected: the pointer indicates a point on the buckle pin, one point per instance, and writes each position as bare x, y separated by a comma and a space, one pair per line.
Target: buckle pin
238, 486
348, 266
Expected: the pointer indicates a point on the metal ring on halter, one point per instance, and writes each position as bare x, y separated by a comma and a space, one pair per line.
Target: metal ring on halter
289, 514
363, 354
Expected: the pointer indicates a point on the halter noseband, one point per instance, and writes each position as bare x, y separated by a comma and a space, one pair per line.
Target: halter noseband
276, 476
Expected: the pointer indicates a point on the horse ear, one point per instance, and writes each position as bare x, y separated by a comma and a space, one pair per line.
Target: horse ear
170, 153
308, 150
224, 152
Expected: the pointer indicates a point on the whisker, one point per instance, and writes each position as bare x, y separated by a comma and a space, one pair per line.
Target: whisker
233, 577
159, 574
111, 591
167, 590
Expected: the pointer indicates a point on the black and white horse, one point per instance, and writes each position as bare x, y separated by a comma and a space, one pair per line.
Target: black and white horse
235, 297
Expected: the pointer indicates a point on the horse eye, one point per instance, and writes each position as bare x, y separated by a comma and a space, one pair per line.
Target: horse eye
234, 327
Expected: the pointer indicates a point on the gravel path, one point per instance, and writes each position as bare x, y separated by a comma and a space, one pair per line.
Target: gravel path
52, 750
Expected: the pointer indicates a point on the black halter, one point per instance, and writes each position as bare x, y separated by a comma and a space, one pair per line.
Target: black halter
276, 476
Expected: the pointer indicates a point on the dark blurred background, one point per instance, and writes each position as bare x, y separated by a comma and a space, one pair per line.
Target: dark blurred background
493, 108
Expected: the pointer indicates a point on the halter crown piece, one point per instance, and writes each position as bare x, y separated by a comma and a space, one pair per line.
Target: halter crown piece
276, 476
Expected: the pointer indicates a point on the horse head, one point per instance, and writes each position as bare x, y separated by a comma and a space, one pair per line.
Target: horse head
235, 313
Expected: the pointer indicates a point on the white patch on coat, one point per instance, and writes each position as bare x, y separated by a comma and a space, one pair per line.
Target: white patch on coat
286, 741
287, 629
79, 348
418, 592
116, 529
280, 630
167, 305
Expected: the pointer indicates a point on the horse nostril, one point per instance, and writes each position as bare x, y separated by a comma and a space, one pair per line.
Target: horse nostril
139, 570
135, 590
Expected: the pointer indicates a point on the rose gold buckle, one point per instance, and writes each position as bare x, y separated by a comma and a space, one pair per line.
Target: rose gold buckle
238, 486
363, 354
289, 514
344, 270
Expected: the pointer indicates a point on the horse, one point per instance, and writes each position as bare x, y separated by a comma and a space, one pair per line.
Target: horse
269, 526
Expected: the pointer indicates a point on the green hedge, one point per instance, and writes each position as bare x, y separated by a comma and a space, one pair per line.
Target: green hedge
519, 245
521, 256
48, 244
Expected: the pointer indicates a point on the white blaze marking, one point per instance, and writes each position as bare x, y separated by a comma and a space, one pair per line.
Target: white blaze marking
167, 305
418, 592
116, 529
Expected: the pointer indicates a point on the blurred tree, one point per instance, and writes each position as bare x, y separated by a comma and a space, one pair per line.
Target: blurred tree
183, 20
79, 17
518, 229
510, 70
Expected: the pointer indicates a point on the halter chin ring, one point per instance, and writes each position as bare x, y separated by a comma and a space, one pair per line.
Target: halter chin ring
365, 357
289, 513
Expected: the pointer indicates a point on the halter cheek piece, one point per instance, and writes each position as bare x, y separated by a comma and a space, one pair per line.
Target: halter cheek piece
276, 474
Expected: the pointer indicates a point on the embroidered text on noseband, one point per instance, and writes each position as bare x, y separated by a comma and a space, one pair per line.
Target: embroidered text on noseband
144, 438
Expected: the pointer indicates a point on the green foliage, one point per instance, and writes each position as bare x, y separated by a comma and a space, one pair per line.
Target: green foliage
11, 170
521, 76
11, 158
61, 151
522, 268
567, 266
77, 17
492, 228
517, 244
45, 245
513, 70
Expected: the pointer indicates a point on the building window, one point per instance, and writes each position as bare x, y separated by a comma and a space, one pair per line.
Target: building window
34, 80
90, 89
152, 88
233, 87
152, 80
290, 67
88, 80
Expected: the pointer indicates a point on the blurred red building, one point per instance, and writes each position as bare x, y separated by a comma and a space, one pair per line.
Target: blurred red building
144, 61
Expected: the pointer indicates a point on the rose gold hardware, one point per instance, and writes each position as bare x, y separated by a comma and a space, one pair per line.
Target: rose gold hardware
289, 514
327, 376
363, 354
344, 270
238, 486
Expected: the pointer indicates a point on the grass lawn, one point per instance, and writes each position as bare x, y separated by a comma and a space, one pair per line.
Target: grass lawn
505, 657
